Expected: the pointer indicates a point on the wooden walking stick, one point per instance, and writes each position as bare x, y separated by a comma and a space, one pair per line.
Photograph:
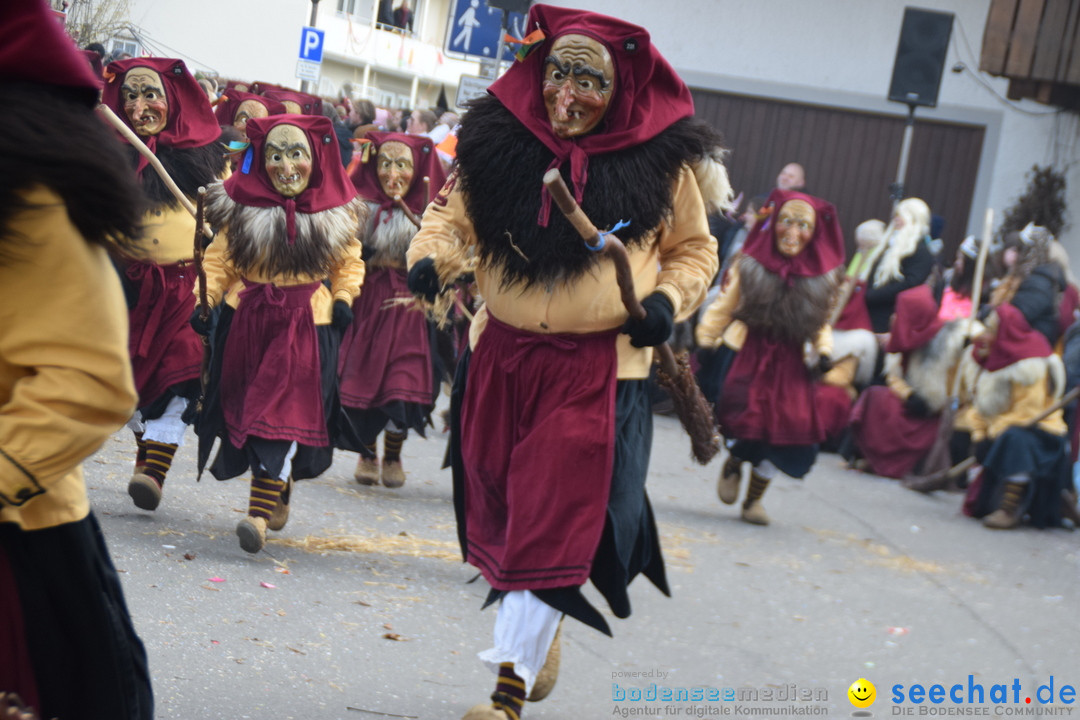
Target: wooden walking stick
400, 202
204, 306
136, 142
936, 471
694, 411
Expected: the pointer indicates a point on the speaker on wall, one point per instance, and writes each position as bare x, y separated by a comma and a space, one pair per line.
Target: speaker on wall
920, 56
518, 6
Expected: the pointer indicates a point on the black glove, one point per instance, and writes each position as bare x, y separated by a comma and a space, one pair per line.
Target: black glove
203, 327
656, 326
982, 449
342, 316
424, 280
824, 364
916, 406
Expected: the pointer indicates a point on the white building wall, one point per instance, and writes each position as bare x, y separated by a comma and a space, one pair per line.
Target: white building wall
841, 52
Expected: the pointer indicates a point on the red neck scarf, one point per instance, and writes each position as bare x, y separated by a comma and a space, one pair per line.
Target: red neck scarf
328, 187
822, 254
648, 97
916, 321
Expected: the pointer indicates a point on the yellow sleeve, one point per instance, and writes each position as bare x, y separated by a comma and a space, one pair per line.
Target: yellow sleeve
717, 316
65, 376
348, 277
894, 377
688, 252
446, 233
220, 275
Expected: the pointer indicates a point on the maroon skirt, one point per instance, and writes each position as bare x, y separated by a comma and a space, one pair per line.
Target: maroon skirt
892, 442
538, 437
855, 316
768, 395
386, 353
164, 350
16, 670
834, 408
270, 376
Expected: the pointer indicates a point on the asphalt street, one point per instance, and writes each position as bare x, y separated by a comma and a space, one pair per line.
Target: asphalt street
361, 607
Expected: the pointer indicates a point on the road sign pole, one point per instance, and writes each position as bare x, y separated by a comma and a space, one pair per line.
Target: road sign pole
502, 43
304, 85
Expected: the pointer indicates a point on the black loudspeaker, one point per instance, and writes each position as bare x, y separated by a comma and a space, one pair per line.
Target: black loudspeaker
518, 6
920, 57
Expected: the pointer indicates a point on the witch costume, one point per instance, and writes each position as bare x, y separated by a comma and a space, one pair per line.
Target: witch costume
283, 273
551, 419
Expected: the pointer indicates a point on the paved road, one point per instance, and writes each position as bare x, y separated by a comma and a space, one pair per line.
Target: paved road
361, 607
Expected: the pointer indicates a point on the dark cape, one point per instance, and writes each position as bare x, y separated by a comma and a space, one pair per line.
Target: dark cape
501, 165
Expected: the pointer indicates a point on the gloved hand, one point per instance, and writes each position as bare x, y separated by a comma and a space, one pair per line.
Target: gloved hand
343, 315
825, 364
424, 280
982, 449
656, 326
916, 406
203, 327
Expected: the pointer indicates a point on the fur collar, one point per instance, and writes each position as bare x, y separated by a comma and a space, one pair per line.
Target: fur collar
790, 311
993, 390
501, 165
258, 245
387, 240
190, 168
929, 367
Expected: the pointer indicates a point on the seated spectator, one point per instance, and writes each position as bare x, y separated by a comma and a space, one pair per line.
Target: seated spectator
1033, 283
893, 426
1025, 466
956, 286
903, 260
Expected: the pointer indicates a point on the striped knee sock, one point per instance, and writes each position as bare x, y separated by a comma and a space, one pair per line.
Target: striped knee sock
509, 692
371, 450
758, 485
140, 451
159, 457
265, 492
392, 442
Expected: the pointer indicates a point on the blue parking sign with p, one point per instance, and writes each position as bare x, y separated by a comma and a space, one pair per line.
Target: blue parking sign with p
311, 44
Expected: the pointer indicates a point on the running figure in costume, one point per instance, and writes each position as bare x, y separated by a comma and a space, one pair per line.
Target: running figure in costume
777, 301
385, 366
164, 105
288, 219
554, 431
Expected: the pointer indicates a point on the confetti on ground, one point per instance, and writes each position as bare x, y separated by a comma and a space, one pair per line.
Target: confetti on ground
268, 586
216, 579
898, 631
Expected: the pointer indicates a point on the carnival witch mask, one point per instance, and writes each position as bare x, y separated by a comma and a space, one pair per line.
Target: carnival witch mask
395, 168
288, 159
794, 227
143, 96
579, 78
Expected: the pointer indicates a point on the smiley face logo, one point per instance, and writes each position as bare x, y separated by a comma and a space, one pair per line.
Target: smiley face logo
862, 693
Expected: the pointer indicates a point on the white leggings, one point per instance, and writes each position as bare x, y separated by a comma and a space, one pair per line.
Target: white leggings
524, 630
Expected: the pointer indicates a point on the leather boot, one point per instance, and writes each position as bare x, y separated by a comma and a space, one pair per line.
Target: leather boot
252, 533
1007, 516
280, 514
753, 511
367, 471
145, 491
485, 712
727, 488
